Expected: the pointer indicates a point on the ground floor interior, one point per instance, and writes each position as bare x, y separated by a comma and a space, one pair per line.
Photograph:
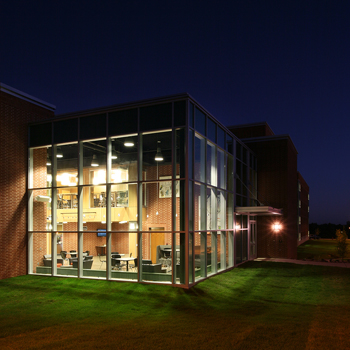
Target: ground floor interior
167, 257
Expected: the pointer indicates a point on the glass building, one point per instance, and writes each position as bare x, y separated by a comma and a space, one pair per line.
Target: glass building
152, 191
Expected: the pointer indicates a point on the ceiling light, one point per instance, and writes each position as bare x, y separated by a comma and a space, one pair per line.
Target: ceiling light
159, 156
59, 153
128, 143
114, 154
94, 161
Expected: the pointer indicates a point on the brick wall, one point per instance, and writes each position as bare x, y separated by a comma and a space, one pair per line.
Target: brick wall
277, 187
40, 240
15, 114
254, 130
155, 204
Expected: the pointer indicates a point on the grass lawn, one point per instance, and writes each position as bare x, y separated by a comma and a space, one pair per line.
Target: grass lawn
259, 305
320, 249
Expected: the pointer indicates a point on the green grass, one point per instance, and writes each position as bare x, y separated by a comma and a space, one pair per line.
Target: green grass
320, 249
259, 305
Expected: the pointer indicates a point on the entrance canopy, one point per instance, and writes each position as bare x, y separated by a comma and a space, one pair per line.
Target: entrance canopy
261, 210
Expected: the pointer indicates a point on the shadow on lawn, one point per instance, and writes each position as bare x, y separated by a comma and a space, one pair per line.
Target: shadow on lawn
250, 286
290, 269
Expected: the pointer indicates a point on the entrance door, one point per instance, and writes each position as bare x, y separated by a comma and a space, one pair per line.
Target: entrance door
253, 250
157, 238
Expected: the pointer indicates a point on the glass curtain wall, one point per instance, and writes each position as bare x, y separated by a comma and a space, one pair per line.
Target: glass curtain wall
148, 200
112, 207
211, 196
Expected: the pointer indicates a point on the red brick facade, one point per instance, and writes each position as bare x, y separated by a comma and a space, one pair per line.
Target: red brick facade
278, 188
15, 114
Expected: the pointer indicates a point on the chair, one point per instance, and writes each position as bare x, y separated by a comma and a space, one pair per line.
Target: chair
87, 264
73, 253
64, 256
117, 263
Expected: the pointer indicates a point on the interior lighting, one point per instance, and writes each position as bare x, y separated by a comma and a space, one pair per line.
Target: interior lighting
94, 161
59, 153
159, 156
133, 225
116, 175
276, 227
238, 227
66, 179
129, 143
99, 177
114, 154
48, 160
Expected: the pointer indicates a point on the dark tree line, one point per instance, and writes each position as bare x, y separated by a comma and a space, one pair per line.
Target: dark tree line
328, 230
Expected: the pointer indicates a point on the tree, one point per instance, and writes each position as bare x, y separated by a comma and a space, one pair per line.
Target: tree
342, 245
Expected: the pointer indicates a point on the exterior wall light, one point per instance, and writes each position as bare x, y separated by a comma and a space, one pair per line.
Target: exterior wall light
276, 227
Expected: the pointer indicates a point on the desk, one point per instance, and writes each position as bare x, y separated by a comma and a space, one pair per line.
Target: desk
127, 261
101, 249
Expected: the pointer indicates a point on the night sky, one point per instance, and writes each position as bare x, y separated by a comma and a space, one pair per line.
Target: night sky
284, 62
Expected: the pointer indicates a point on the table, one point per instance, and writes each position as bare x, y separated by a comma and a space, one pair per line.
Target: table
127, 261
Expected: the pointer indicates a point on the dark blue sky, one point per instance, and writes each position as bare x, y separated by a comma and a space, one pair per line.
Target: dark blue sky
284, 62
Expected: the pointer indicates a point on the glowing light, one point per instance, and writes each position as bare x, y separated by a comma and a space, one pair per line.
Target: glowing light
129, 143
277, 227
67, 179
99, 177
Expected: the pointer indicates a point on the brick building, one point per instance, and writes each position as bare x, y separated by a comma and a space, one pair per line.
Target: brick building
17, 110
279, 185
151, 191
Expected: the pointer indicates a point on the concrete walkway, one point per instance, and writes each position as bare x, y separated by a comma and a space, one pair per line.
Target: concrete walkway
307, 262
